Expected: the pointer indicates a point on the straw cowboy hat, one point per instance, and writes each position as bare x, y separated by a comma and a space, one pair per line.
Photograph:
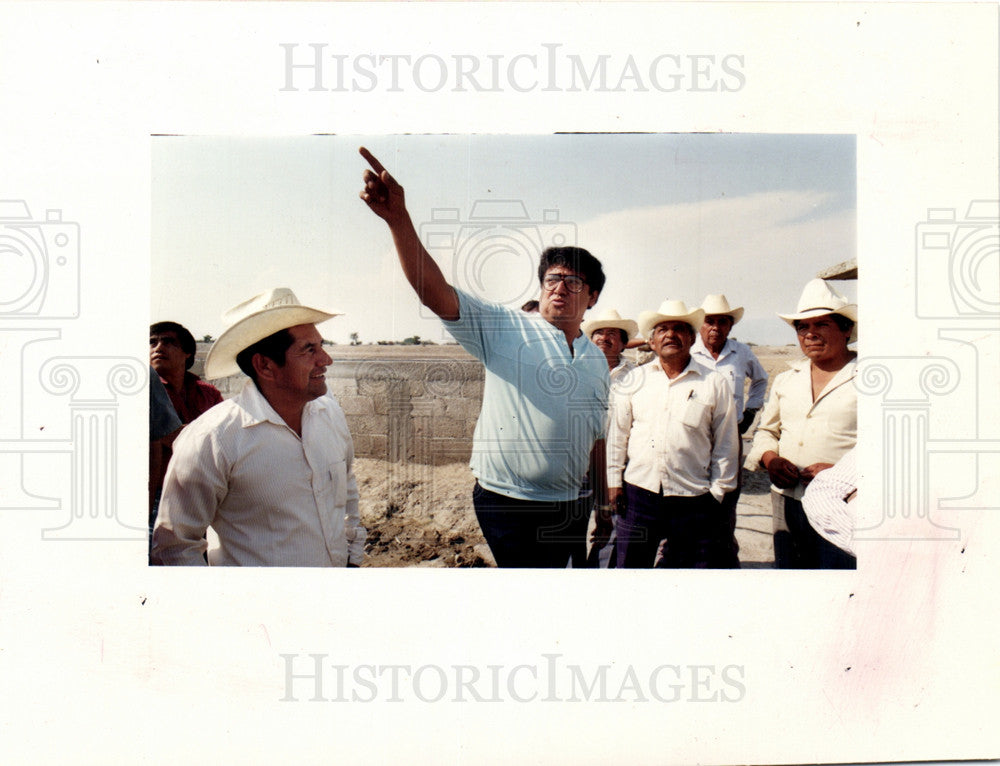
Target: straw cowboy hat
610, 318
670, 311
818, 298
717, 304
255, 319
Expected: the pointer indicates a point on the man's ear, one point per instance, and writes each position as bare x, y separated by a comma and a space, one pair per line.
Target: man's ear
263, 366
593, 299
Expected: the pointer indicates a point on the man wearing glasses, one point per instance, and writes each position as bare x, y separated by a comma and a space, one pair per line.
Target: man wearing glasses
545, 394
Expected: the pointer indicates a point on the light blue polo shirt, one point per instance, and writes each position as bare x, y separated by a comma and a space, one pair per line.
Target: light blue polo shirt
543, 409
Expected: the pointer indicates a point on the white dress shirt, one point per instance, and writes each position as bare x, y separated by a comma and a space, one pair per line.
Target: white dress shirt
736, 362
624, 368
804, 431
826, 505
678, 436
621, 378
272, 498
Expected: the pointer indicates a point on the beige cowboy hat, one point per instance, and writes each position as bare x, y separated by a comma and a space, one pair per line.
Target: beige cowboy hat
610, 318
717, 304
817, 299
253, 320
670, 311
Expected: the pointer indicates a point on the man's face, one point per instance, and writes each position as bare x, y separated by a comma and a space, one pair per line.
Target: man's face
671, 341
820, 339
558, 303
609, 340
715, 330
303, 376
166, 355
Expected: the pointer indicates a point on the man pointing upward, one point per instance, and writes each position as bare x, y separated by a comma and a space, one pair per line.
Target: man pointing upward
545, 392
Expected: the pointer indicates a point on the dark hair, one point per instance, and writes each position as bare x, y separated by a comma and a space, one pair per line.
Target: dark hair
273, 347
843, 323
577, 259
184, 336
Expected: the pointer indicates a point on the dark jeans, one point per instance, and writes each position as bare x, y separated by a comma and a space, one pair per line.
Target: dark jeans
797, 545
695, 531
522, 533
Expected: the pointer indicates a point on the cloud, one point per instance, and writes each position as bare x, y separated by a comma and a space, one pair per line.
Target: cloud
758, 249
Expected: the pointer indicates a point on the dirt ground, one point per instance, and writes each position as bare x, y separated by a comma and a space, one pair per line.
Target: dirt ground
419, 515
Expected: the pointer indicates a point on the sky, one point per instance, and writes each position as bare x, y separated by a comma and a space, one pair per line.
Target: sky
670, 216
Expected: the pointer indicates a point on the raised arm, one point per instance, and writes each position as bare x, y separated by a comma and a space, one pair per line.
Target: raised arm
384, 197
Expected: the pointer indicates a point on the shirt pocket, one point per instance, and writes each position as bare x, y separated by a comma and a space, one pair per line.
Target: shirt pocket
331, 485
695, 414
338, 477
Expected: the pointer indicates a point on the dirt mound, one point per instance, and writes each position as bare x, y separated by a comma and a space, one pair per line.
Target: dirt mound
419, 515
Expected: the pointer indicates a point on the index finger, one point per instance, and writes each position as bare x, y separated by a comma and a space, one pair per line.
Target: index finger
376, 165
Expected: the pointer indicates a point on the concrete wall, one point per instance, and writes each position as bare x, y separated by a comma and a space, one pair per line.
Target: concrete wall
421, 411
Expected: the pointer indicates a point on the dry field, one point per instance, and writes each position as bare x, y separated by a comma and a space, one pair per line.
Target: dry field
420, 515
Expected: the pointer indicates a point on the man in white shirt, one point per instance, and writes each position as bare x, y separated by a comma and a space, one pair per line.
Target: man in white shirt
611, 334
672, 452
737, 363
271, 471
810, 420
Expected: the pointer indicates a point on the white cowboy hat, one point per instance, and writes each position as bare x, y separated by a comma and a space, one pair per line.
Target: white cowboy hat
717, 304
818, 298
670, 311
610, 318
253, 320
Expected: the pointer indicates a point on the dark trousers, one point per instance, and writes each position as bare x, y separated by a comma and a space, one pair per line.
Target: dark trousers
797, 545
729, 501
522, 533
695, 532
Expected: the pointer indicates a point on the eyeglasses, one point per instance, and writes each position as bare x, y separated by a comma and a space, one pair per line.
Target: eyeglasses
573, 283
